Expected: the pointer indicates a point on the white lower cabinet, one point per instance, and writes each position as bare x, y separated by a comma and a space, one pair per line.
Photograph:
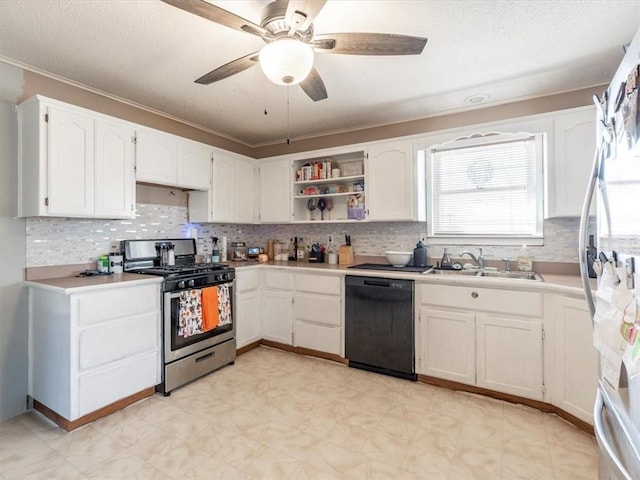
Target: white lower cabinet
277, 306
318, 313
93, 348
509, 355
575, 358
248, 329
448, 341
490, 338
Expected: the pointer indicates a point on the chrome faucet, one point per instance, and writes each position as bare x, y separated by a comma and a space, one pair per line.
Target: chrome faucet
479, 260
507, 264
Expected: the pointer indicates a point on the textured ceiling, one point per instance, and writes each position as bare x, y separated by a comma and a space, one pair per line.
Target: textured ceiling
150, 53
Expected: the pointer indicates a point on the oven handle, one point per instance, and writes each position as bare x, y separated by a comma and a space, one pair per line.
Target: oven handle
172, 295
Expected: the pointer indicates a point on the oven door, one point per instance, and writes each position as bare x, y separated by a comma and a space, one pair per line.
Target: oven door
184, 332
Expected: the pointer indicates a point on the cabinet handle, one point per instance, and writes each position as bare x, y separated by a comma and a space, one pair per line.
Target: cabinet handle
474, 294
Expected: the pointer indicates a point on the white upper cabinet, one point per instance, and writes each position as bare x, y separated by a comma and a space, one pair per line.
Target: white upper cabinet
71, 162
570, 161
194, 165
156, 158
389, 181
115, 182
165, 159
246, 190
274, 191
74, 162
231, 198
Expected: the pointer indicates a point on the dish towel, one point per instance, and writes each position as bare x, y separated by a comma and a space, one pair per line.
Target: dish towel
210, 308
224, 305
190, 315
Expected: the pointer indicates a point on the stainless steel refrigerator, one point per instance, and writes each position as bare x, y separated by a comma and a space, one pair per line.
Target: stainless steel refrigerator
615, 180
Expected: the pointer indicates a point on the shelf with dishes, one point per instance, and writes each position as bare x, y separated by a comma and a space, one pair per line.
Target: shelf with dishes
329, 189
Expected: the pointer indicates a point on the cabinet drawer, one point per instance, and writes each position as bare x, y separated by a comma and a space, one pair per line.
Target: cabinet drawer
318, 309
483, 299
115, 303
247, 280
120, 339
319, 337
327, 284
103, 387
278, 280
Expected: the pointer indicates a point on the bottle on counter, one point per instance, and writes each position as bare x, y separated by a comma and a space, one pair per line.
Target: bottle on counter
445, 262
420, 255
525, 263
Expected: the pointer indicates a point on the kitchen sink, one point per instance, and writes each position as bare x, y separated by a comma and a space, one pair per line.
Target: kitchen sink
516, 275
438, 271
488, 273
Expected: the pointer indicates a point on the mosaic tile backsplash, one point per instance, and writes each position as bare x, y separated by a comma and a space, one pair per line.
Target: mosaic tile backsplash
64, 241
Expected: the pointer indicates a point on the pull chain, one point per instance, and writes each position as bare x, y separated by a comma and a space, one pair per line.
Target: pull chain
288, 117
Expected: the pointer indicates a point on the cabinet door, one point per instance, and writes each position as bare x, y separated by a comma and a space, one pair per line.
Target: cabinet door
274, 192
115, 182
509, 355
71, 163
194, 165
222, 190
447, 345
277, 316
248, 318
576, 370
574, 143
156, 158
245, 191
389, 181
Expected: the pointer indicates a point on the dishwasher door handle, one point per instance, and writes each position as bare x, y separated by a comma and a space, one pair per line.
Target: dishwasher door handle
377, 283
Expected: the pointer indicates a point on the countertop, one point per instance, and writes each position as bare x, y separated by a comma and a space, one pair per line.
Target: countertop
68, 285
568, 284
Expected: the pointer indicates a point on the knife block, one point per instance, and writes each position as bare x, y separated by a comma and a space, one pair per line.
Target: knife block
345, 255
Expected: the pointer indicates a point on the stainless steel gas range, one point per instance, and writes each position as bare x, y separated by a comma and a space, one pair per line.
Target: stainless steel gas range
198, 321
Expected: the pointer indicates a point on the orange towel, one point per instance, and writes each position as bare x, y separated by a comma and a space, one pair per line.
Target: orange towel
210, 313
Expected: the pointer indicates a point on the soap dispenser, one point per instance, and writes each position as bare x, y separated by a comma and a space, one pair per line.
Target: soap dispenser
420, 255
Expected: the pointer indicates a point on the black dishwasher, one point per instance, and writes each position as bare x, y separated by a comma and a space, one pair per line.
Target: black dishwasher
379, 327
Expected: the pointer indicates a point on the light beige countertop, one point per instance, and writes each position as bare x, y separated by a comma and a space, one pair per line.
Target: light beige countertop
553, 282
74, 284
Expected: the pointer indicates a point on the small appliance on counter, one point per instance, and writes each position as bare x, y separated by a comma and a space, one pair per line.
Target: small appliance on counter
253, 252
238, 251
116, 263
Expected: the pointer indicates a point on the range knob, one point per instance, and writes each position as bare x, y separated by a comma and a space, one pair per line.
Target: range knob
181, 284
191, 283
217, 277
226, 276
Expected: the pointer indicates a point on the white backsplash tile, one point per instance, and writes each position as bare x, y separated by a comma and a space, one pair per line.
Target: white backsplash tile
61, 241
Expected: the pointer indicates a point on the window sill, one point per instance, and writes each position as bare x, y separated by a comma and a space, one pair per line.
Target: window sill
484, 241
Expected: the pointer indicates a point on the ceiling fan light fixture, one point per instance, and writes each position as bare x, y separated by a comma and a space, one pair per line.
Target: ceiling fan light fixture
286, 61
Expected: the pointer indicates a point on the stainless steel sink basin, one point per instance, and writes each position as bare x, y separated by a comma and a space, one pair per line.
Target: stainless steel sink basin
437, 271
516, 275
488, 273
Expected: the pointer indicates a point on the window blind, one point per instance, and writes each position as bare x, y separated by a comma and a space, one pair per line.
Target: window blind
487, 189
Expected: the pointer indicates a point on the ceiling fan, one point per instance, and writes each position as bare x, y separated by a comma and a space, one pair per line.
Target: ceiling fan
287, 28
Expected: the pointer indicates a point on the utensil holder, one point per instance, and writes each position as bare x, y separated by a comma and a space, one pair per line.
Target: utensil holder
345, 255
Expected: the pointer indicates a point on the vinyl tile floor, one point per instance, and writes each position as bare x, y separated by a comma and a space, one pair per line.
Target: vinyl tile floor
277, 415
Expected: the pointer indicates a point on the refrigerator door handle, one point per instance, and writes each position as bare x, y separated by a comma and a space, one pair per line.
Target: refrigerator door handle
602, 439
582, 237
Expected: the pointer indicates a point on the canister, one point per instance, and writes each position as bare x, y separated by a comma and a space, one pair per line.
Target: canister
102, 264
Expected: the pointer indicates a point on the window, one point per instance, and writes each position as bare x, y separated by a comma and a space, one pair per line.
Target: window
486, 187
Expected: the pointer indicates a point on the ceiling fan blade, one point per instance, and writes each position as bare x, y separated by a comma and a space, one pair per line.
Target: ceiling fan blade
236, 66
369, 44
314, 86
219, 15
301, 13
